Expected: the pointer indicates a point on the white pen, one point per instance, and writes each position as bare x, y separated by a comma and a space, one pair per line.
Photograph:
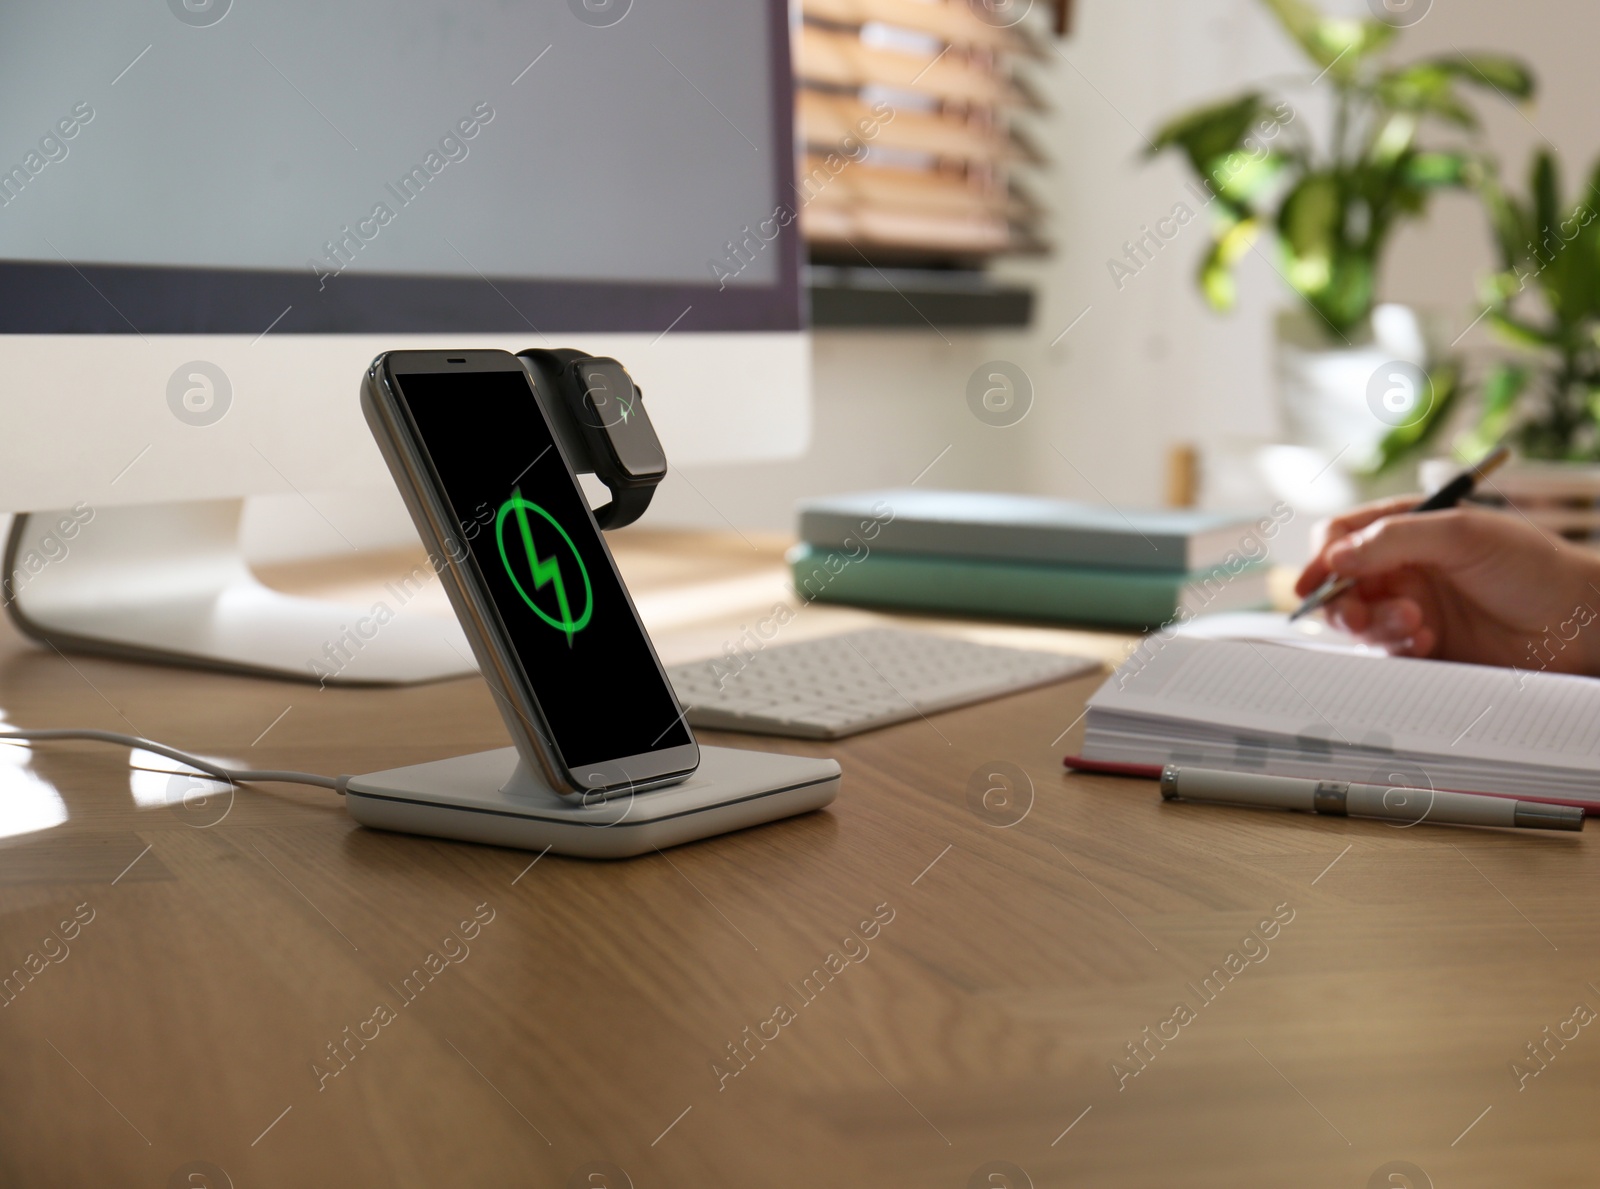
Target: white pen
1343, 799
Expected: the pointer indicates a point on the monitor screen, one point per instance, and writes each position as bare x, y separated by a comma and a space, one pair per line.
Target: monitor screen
416, 165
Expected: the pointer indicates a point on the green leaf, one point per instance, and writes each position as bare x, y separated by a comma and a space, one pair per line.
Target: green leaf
1244, 177
1546, 188
1336, 45
1499, 289
1394, 138
1207, 133
1433, 170
1216, 282
1571, 276
1590, 198
1428, 87
1425, 88
1509, 221
1502, 386
1311, 216
1510, 76
1523, 334
1238, 240
1348, 297
1216, 270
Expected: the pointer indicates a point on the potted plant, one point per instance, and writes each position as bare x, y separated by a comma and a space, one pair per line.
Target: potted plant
1331, 209
1544, 400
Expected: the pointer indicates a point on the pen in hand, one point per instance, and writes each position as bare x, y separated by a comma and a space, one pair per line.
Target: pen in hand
1448, 496
1342, 799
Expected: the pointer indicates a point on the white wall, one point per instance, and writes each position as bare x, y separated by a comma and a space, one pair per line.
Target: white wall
1148, 365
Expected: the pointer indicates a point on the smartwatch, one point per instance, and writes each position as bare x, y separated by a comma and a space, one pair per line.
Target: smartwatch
604, 405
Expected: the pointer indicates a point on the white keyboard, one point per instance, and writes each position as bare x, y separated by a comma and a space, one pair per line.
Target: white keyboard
838, 685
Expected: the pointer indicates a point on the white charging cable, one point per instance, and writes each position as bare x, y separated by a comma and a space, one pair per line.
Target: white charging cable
228, 775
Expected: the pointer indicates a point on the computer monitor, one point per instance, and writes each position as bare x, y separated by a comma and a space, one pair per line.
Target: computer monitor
213, 214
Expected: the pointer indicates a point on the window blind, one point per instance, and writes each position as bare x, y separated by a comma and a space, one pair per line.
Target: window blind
911, 121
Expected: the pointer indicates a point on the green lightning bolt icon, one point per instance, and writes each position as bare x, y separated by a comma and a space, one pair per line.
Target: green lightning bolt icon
543, 571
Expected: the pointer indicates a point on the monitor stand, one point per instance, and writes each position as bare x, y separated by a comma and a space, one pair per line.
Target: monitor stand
168, 583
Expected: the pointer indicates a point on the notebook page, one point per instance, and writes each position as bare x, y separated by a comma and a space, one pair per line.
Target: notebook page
1273, 627
1427, 707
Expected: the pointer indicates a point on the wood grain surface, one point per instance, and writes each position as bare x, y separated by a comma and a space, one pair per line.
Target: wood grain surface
1067, 975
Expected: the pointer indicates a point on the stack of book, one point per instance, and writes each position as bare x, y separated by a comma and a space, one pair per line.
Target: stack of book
1560, 497
1030, 557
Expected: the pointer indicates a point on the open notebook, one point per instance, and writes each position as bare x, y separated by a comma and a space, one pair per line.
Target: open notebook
1245, 706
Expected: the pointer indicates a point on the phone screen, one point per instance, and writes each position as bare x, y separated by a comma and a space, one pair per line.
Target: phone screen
525, 522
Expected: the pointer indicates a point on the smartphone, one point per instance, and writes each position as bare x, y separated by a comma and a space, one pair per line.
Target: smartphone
473, 445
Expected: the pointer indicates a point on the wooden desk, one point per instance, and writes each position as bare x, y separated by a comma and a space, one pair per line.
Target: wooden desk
590, 1018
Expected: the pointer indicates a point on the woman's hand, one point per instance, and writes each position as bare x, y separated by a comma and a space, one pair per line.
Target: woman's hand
1464, 584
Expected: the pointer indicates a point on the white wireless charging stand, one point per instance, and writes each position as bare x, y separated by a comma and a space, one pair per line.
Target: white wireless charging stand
500, 798
495, 798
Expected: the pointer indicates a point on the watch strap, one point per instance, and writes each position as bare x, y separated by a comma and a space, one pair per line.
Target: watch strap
627, 505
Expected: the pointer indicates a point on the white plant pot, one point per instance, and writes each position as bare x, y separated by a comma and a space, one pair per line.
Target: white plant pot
1327, 393
1339, 402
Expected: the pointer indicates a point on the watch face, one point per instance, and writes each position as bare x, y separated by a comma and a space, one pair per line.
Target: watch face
611, 404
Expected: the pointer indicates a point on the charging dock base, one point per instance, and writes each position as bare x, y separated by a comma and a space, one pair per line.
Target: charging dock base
492, 797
